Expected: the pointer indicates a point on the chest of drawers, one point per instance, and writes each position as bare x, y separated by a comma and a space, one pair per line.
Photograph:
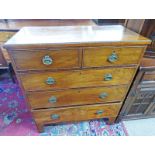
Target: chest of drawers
75, 73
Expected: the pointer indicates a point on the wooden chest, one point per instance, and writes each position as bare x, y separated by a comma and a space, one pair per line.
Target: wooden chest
140, 102
75, 73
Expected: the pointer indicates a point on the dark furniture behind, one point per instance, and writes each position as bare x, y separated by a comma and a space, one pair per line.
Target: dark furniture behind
148, 30
140, 102
5, 62
109, 21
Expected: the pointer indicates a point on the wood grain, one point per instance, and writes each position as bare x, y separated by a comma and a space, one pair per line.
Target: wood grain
76, 97
76, 78
107, 120
96, 57
6, 55
3, 63
74, 36
4, 35
79, 55
77, 113
32, 60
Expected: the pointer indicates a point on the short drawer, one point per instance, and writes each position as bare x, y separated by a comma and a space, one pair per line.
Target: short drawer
48, 99
5, 35
76, 113
76, 78
112, 56
46, 59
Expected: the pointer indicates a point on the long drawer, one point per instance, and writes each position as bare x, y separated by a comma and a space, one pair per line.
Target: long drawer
112, 56
77, 113
46, 59
76, 78
70, 97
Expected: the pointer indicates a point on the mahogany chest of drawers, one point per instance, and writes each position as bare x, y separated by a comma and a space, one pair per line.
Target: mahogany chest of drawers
75, 73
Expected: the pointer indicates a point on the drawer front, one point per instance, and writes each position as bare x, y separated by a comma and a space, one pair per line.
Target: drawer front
38, 60
78, 113
70, 97
76, 78
96, 57
4, 36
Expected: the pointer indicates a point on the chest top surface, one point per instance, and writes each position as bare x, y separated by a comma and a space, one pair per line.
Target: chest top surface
73, 35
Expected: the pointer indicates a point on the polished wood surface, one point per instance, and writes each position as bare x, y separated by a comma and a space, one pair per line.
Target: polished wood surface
76, 113
75, 35
76, 96
9, 27
95, 57
76, 78
5, 35
80, 81
32, 60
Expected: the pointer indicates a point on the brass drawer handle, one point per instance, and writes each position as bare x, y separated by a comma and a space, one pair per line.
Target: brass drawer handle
50, 81
113, 57
52, 99
103, 95
47, 60
107, 77
99, 112
55, 116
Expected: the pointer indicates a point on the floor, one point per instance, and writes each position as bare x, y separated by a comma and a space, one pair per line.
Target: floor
141, 127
